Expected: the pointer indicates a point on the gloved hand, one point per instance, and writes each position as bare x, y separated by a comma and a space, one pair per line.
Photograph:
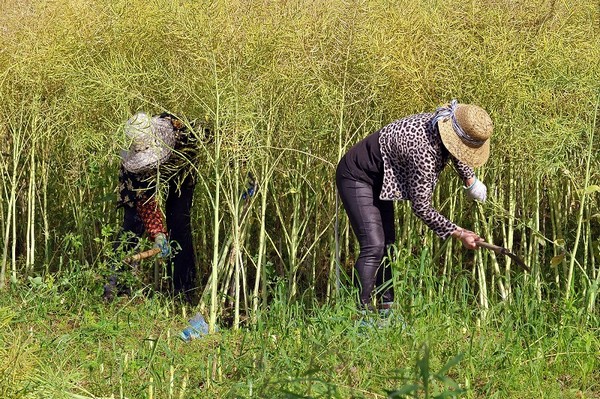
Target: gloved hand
477, 191
162, 243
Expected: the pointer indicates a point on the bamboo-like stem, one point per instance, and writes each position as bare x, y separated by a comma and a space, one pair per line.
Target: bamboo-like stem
2, 222
556, 233
236, 243
9, 219
481, 276
588, 163
447, 268
586, 254
13, 212
567, 201
216, 210
488, 233
593, 294
45, 216
509, 237
534, 243
30, 234
260, 268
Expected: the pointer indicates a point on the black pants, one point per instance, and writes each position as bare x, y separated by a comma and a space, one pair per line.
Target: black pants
178, 206
372, 221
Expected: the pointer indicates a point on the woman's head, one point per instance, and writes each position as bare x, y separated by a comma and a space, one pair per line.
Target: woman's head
465, 130
152, 142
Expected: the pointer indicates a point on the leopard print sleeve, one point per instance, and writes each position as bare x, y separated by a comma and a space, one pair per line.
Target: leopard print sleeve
421, 200
464, 171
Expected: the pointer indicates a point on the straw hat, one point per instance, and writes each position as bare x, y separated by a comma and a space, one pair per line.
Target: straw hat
153, 140
466, 132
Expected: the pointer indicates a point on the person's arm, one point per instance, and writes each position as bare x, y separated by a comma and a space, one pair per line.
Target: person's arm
465, 172
422, 185
152, 220
151, 217
440, 225
474, 188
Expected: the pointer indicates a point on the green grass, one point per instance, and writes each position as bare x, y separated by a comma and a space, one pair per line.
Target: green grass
59, 340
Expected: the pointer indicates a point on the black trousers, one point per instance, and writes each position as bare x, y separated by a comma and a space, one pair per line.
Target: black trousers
372, 221
182, 265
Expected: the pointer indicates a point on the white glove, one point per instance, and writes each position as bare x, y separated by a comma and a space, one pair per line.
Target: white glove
477, 191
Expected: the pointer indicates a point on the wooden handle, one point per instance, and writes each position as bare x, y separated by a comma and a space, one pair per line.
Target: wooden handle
487, 245
502, 251
142, 255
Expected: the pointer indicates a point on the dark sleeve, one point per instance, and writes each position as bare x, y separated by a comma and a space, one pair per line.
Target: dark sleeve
133, 187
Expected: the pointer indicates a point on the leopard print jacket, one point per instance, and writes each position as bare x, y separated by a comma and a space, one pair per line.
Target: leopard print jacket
413, 158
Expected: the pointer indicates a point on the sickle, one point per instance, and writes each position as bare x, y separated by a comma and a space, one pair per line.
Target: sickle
502, 251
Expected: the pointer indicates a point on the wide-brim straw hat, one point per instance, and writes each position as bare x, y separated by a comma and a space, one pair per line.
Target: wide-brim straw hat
471, 145
153, 140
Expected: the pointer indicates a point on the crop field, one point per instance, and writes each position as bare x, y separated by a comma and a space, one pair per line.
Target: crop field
287, 87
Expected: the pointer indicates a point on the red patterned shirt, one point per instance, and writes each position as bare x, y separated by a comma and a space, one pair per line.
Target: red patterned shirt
151, 216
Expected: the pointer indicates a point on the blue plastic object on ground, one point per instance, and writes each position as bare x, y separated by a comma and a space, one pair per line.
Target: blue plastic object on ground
197, 328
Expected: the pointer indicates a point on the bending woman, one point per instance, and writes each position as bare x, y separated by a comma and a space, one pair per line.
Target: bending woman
160, 159
403, 161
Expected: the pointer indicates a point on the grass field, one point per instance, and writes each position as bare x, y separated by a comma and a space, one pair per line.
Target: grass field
58, 340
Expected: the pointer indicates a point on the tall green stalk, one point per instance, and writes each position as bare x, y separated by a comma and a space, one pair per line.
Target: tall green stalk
584, 193
216, 167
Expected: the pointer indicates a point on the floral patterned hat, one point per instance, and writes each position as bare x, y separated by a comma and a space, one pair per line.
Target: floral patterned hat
153, 140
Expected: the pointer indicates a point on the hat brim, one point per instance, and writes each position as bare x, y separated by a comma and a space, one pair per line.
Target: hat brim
470, 155
159, 150
141, 161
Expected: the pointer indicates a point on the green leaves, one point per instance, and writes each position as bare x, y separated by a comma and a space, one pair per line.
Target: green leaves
425, 378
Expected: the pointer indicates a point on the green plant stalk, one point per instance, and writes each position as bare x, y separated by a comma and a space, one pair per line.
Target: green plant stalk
261, 269
264, 188
216, 210
44, 210
588, 256
588, 163
593, 291
341, 149
562, 220
534, 245
292, 235
509, 238
223, 270
261, 272
334, 282
496, 267
293, 242
556, 232
13, 196
447, 268
2, 223
480, 265
9, 220
236, 243
30, 256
